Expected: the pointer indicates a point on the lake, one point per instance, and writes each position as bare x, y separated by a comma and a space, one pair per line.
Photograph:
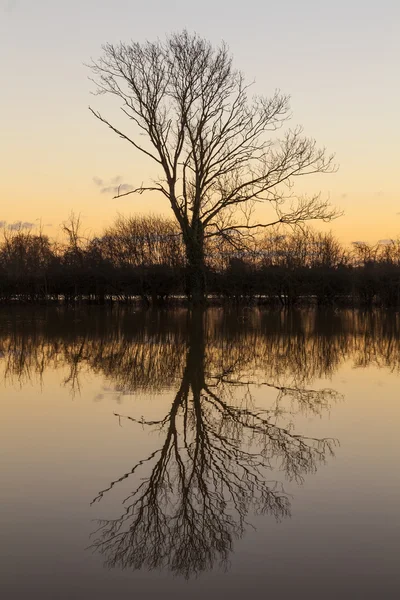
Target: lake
225, 453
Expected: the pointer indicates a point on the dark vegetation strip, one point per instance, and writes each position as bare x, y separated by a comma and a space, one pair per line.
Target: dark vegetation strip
143, 258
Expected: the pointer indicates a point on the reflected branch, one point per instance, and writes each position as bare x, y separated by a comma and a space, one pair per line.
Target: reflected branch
212, 470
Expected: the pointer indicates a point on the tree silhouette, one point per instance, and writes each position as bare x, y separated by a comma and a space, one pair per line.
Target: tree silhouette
192, 116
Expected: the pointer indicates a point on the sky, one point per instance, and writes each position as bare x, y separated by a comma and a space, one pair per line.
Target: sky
337, 60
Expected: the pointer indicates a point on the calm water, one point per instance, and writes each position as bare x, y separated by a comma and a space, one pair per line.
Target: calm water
230, 454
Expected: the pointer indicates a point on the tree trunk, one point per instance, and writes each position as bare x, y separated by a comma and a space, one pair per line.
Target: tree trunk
196, 280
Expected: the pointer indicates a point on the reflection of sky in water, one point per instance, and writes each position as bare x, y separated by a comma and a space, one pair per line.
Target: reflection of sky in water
314, 375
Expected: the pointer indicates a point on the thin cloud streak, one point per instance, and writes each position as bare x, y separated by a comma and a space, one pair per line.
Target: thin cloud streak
17, 225
21, 225
113, 186
117, 189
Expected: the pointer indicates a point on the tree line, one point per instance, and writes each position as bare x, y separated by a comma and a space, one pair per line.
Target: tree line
143, 258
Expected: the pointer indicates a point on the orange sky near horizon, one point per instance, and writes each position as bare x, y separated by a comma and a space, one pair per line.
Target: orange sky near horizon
338, 65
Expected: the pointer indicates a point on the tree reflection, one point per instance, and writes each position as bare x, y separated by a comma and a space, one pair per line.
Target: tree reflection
212, 469
193, 496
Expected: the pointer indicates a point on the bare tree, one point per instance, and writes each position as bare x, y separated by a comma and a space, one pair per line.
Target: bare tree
142, 240
210, 141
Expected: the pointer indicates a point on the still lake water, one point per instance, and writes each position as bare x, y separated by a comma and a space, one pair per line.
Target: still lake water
240, 453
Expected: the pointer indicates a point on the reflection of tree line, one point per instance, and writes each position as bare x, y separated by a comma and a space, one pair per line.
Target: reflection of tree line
146, 350
192, 495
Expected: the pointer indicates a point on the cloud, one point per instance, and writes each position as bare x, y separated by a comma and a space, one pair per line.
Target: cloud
21, 225
385, 242
14, 226
113, 186
117, 189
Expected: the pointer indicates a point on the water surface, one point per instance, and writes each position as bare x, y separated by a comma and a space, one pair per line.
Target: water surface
217, 454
